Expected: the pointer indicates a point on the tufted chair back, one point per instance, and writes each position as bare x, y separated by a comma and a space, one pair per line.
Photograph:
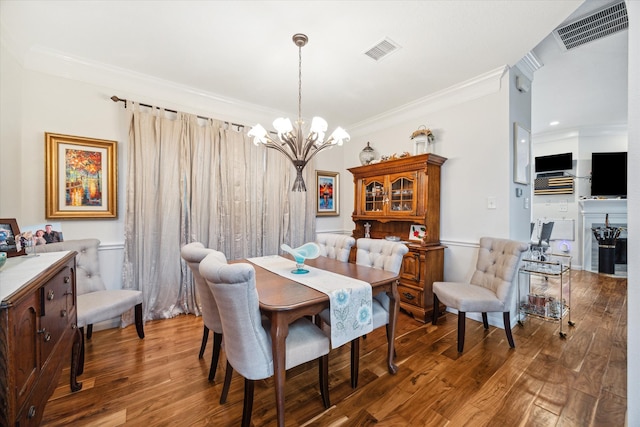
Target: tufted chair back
335, 246
381, 254
88, 278
497, 265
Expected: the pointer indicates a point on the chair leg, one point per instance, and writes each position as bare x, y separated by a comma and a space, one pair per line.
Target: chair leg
436, 308
355, 361
205, 338
323, 375
215, 355
461, 322
80, 369
89, 331
139, 323
507, 328
485, 321
248, 402
227, 383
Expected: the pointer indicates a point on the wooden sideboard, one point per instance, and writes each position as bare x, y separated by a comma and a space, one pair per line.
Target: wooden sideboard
38, 333
390, 197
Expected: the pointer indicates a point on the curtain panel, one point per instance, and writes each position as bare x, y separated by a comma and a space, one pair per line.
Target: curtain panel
190, 179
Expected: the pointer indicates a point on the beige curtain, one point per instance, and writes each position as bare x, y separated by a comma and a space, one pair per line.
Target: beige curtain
190, 179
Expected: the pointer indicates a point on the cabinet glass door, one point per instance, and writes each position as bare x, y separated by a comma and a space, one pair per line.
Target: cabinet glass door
402, 195
375, 196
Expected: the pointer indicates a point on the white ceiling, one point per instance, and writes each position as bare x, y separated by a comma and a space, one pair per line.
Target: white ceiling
243, 50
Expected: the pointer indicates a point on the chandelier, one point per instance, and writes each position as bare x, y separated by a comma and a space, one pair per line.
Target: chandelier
290, 140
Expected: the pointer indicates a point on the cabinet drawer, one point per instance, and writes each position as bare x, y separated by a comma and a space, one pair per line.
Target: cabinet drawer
57, 303
410, 295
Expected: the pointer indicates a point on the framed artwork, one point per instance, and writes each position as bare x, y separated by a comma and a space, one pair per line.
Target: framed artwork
9, 237
521, 154
327, 195
80, 177
417, 232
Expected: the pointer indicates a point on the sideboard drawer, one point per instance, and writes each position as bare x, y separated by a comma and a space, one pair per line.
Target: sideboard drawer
410, 295
57, 304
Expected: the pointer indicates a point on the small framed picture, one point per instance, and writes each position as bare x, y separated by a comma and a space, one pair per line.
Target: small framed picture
327, 195
10, 237
417, 232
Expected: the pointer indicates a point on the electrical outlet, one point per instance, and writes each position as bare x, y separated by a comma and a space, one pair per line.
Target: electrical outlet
564, 206
526, 203
491, 202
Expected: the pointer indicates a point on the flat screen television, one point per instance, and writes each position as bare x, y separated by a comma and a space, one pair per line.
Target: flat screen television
609, 174
554, 162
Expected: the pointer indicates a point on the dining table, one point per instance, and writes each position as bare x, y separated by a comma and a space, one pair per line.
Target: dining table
284, 300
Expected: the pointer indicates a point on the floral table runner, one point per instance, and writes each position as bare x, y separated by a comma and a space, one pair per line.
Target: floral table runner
349, 299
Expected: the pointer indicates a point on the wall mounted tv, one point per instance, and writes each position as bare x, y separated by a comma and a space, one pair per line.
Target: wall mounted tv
609, 174
554, 162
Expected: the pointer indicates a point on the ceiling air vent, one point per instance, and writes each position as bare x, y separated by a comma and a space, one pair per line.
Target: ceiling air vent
383, 49
596, 25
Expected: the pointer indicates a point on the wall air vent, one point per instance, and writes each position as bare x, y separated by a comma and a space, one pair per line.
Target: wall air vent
601, 23
383, 49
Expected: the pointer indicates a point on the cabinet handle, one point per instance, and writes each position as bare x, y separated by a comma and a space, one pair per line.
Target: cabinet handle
408, 296
47, 335
63, 313
74, 326
67, 279
31, 412
50, 295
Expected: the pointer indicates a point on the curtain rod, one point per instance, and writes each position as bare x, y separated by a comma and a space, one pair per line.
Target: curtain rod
115, 98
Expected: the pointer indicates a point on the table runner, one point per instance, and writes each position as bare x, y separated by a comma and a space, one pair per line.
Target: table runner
349, 299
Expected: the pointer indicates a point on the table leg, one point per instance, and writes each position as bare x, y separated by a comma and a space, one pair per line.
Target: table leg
279, 332
394, 308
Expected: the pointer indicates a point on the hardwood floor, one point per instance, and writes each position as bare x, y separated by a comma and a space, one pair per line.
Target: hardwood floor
544, 381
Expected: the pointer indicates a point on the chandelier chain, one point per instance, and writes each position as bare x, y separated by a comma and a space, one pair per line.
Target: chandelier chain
299, 82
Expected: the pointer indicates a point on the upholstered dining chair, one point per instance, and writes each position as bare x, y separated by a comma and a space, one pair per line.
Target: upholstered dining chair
247, 337
193, 253
95, 302
335, 246
384, 255
491, 288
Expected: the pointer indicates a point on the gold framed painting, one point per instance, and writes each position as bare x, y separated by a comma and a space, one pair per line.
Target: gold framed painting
327, 193
81, 177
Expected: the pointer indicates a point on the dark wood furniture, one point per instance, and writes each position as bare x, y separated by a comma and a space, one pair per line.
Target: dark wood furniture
391, 196
284, 301
38, 333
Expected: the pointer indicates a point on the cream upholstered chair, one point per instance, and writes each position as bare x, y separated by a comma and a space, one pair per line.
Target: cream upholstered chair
193, 253
335, 246
246, 332
491, 288
96, 303
384, 255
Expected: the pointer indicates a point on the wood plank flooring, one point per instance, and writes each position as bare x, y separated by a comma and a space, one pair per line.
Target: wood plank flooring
544, 381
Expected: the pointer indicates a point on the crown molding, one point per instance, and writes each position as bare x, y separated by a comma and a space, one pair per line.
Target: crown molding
477, 87
145, 88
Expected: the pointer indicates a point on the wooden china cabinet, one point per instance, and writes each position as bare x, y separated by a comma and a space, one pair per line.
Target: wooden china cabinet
390, 197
